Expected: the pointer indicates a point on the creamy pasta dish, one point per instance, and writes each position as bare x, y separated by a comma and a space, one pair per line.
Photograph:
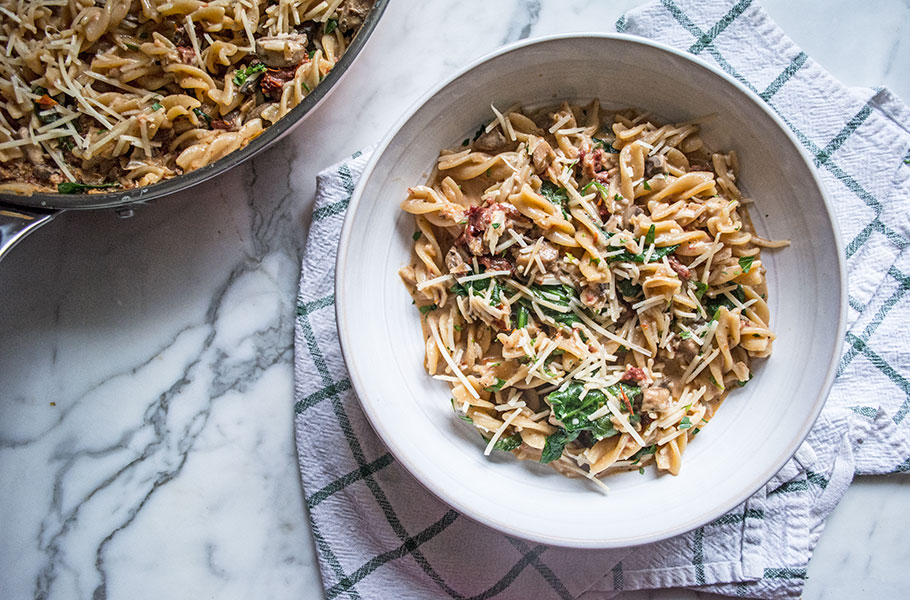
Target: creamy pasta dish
121, 94
590, 285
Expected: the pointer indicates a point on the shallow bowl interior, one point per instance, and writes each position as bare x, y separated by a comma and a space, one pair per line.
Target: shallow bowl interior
758, 428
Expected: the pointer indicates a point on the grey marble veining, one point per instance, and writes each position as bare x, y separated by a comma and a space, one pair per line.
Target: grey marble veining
146, 443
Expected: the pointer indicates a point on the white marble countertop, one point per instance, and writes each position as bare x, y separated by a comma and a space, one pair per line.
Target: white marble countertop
146, 445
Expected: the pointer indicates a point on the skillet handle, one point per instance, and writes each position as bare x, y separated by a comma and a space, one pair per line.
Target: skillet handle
16, 223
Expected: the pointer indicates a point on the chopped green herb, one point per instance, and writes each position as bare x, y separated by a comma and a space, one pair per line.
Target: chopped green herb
496, 386
700, 289
425, 309
600, 187
743, 383
244, 73
595, 261
683, 334
641, 470
416, 235
555, 444
649, 237
457, 327
479, 132
507, 444
495, 225
202, 115
617, 197
745, 263
460, 414
465, 142
695, 431
132, 47
331, 25
685, 423
641, 453
305, 86
658, 254
646, 185
714, 381
72, 187
156, 106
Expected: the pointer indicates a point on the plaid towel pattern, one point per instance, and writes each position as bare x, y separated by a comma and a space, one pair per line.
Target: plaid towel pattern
379, 534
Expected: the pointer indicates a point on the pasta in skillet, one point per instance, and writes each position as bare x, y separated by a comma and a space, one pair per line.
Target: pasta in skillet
122, 94
590, 283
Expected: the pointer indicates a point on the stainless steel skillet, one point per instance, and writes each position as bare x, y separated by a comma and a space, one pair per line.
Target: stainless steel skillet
20, 215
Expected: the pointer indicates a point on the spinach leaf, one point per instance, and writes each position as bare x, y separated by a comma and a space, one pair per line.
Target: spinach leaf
572, 411
604, 145
641, 453
507, 444
557, 196
712, 305
628, 289
745, 263
658, 254
480, 285
567, 319
557, 294
522, 320
203, 116
555, 444
631, 391
72, 187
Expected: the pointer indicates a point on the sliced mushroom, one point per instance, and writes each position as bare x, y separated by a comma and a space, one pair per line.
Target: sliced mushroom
282, 50
542, 156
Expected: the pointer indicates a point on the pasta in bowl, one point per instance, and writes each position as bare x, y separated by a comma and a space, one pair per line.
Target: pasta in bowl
386, 342
591, 285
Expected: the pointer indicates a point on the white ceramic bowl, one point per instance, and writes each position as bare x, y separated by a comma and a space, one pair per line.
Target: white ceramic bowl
758, 428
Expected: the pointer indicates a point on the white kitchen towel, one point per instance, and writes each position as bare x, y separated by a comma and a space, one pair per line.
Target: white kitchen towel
380, 535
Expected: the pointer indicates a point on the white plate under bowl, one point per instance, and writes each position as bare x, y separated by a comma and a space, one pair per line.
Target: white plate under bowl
758, 428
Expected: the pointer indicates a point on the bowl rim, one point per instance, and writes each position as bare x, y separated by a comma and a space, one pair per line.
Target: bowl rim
346, 340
